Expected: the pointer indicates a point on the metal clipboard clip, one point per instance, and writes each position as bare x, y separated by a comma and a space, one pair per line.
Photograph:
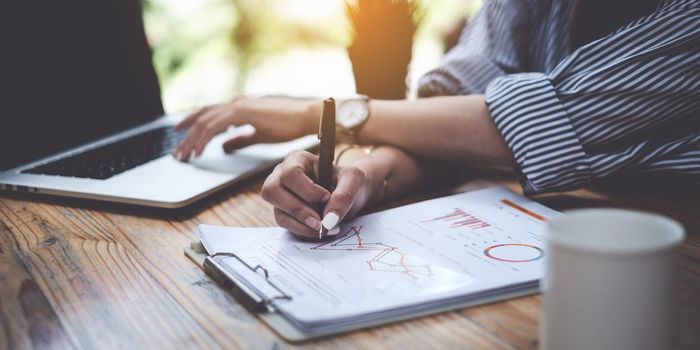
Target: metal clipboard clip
243, 291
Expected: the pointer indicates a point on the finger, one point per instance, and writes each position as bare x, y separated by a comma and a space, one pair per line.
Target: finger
350, 183
186, 147
284, 220
276, 194
294, 176
239, 142
190, 119
212, 128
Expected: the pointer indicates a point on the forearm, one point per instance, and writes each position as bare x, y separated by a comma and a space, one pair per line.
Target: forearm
454, 128
305, 112
451, 128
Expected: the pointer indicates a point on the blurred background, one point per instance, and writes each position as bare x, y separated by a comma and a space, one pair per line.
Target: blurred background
208, 51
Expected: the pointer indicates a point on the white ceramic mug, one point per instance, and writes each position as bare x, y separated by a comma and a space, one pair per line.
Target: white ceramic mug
611, 281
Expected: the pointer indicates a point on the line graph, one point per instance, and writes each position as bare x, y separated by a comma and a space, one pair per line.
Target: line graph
459, 218
387, 259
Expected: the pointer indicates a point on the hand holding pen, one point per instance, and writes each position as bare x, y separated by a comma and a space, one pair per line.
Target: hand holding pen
291, 190
310, 196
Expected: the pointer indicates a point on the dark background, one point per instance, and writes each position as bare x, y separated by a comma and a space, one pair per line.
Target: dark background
72, 71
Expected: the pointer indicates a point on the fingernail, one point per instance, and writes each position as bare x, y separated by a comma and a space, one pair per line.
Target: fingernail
325, 198
313, 223
330, 220
178, 155
334, 231
191, 157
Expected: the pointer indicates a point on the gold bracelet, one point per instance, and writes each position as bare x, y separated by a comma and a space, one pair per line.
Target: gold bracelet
367, 150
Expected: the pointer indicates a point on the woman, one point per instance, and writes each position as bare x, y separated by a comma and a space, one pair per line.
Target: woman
595, 101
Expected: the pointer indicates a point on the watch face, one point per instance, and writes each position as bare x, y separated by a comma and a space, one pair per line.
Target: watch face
352, 113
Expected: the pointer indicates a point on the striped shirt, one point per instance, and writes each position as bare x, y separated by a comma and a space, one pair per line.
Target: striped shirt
627, 103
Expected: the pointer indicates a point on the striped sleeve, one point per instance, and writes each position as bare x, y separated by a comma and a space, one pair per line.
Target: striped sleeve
495, 42
627, 103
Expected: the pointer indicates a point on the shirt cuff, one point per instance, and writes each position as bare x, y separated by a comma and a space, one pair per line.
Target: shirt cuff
535, 126
469, 74
438, 83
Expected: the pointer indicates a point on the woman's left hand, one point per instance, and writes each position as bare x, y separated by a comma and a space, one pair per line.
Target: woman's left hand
291, 190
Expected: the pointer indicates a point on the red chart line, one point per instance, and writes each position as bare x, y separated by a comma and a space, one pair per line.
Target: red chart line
460, 218
383, 251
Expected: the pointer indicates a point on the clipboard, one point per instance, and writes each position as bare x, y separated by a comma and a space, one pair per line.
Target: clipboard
260, 305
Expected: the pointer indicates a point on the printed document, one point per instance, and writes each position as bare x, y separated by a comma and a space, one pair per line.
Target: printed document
424, 255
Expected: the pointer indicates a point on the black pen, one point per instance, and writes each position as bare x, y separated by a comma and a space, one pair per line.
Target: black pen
326, 153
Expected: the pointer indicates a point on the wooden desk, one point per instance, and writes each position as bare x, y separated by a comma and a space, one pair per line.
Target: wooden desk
77, 275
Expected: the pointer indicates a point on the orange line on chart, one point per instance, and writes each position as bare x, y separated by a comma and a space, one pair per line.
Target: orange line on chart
384, 253
523, 210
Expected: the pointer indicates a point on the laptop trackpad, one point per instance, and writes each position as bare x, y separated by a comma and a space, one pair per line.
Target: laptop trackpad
248, 158
229, 164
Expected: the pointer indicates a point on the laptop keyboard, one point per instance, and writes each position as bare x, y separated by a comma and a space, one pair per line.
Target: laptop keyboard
106, 161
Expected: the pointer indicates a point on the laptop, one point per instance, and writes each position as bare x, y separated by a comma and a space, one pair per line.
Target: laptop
135, 167
81, 113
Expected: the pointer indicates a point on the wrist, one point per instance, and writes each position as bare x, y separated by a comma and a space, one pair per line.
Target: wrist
376, 167
239, 106
371, 180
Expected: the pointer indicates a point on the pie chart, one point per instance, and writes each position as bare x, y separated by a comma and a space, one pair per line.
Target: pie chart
514, 252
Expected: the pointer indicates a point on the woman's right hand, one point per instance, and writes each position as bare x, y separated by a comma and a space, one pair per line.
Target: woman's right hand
295, 197
274, 119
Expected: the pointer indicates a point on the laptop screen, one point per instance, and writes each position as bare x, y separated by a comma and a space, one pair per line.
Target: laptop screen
72, 71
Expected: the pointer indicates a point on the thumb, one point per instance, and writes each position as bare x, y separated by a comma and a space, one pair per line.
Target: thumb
240, 141
350, 183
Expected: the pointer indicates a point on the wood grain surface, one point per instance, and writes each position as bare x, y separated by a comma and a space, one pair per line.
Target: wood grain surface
89, 275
